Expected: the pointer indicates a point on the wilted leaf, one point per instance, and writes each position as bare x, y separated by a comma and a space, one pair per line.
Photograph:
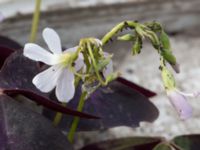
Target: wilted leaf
23, 129
133, 143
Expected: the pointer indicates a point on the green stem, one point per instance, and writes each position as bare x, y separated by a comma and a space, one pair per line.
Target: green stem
76, 119
94, 64
35, 22
58, 117
116, 29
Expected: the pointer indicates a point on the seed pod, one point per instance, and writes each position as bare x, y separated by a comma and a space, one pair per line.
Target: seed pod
168, 56
164, 39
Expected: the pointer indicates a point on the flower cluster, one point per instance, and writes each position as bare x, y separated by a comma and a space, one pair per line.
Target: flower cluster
63, 65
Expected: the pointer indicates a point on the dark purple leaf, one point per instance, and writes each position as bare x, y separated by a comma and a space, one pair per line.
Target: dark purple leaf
116, 105
188, 142
4, 53
136, 87
133, 143
24, 129
17, 74
46, 102
9, 43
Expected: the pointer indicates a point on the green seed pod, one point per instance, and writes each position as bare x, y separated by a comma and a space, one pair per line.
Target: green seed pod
126, 37
168, 56
164, 39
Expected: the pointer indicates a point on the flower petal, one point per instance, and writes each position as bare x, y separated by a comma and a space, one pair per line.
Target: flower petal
46, 80
109, 68
65, 88
72, 49
37, 53
53, 40
180, 104
79, 63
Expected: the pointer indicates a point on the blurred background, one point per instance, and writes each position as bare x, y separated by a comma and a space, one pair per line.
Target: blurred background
75, 19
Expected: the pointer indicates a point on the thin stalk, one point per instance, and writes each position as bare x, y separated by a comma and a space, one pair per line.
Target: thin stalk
58, 117
116, 29
94, 64
76, 119
35, 22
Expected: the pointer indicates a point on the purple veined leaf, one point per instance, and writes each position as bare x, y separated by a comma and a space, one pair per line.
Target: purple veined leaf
165, 146
116, 105
136, 87
17, 74
9, 43
4, 53
41, 100
24, 129
130, 143
187, 142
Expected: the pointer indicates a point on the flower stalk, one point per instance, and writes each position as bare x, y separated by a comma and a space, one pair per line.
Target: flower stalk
35, 22
76, 119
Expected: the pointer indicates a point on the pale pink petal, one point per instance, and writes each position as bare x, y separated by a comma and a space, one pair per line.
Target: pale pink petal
180, 104
109, 68
53, 40
46, 80
1, 17
65, 88
37, 53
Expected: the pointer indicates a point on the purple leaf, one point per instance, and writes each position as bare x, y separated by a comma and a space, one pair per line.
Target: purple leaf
9, 43
116, 105
24, 129
46, 102
131, 143
5, 52
136, 87
16, 78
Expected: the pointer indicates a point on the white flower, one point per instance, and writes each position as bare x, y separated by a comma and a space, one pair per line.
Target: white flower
60, 74
179, 101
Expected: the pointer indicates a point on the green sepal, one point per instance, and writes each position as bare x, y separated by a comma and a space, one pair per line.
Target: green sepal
102, 63
126, 37
168, 78
137, 46
112, 77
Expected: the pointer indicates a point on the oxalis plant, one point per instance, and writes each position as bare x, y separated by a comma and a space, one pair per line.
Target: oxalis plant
83, 92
